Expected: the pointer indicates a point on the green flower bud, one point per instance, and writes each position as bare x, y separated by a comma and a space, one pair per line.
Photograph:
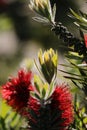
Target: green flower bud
48, 61
43, 8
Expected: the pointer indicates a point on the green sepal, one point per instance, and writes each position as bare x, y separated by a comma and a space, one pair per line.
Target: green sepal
38, 83
35, 95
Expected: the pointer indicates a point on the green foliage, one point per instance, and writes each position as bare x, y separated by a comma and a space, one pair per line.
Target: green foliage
80, 19
43, 90
43, 8
9, 120
80, 119
76, 70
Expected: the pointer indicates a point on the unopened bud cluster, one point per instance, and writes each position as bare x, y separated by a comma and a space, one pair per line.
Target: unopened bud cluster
48, 62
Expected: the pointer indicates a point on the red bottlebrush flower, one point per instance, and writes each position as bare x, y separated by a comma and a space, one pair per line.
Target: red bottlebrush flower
85, 38
16, 91
56, 113
62, 101
34, 106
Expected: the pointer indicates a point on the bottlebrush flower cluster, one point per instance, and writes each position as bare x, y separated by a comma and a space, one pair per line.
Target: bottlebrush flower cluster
17, 91
47, 106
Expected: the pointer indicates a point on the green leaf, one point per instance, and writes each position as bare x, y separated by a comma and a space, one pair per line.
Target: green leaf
73, 78
83, 110
85, 120
41, 20
34, 95
76, 84
37, 87
51, 89
73, 56
38, 83
70, 73
2, 123
81, 34
78, 17
54, 12
43, 93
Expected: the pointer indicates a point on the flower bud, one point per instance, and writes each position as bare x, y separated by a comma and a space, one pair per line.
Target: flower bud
48, 61
43, 8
